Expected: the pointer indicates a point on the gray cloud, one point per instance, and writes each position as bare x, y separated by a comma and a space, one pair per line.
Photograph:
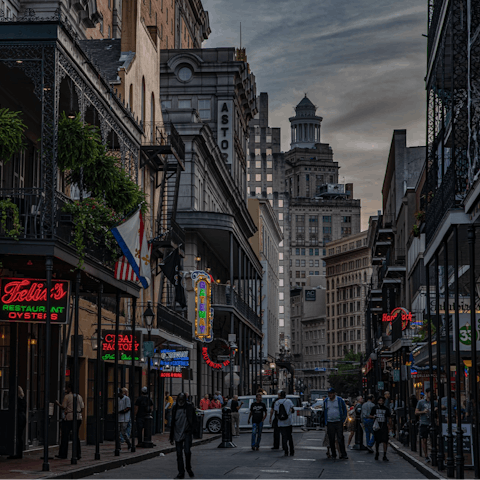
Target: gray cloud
362, 63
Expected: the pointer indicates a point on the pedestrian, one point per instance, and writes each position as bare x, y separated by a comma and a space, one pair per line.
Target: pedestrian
381, 414
184, 421
67, 424
358, 422
274, 424
143, 407
444, 406
168, 409
215, 403
388, 402
124, 407
205, 402
235, 406
423, 409
368, 422
284, 410
220, 398
21, 423
258, 413
335, 412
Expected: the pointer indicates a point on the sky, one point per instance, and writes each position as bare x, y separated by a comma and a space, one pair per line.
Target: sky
361, 62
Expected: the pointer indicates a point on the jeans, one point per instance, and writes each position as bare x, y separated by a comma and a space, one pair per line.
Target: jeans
335, 429
256, 434
184, 445
235, 423
123, 428
287, 439
276, 434
368, 423
67, 427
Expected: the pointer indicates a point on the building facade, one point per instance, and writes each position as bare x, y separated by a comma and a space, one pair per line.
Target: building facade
348, 264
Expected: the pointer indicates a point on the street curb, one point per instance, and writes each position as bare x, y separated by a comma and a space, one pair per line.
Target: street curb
112, 464
424, 469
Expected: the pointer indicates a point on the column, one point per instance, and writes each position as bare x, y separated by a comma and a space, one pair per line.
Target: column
245, 291
239, 271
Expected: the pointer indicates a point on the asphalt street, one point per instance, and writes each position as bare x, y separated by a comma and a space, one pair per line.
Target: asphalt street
310, 461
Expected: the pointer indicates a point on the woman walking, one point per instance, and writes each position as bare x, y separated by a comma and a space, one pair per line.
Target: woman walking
381, 414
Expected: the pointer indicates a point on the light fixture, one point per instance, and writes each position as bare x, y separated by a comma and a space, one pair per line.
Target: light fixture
96, 340
71, 115
208, 269
218, 280
19, 61
198, 259
32, 340
148, 316
29, 263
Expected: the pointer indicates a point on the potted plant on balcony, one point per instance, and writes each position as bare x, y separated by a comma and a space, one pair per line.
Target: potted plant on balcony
112, 193
11, 133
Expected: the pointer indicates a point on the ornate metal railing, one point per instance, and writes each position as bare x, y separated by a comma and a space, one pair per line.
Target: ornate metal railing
435, 7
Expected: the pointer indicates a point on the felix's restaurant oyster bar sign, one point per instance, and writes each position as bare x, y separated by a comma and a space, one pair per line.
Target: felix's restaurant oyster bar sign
25, 300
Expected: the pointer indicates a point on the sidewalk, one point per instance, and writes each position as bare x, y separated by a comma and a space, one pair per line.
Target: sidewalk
30, 466
419, 462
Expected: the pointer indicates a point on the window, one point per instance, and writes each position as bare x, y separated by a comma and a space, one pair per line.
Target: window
281, 296
280, 256
297, 251
280, 269
258, 190
185, 103
109, 32
258, 177
280, 203
346, 230
347, 219
303, 251
269, 164
269, 177
280, 283
269, 152
204, 109
327, 230
327, 219
269, 139
101, 21
297, 274
280, 216
257, 151
310, 273
257, 138
303, 263
317, 251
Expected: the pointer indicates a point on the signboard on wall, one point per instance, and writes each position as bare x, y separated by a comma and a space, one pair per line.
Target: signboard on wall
25, 300
172, 362
124, 345
203, 309
225, 129
310, 295
397, 312
465, 331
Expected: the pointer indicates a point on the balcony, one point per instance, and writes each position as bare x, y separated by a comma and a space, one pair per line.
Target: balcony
226, 296
161, 139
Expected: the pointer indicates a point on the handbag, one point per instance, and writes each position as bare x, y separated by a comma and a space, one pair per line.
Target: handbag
376, 425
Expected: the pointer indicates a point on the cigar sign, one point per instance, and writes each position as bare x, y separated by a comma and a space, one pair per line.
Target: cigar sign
124, 345
25, 300
403, 312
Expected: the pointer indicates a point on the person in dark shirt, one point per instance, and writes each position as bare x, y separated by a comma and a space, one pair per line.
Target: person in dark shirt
381, 413
143, 406
258, 413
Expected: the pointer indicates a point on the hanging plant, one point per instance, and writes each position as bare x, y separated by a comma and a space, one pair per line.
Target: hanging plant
11, 133
93, 220
5, 206
420, 216
416, 231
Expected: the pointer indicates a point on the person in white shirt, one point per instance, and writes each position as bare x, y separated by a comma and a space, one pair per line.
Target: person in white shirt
124, 407
284, 410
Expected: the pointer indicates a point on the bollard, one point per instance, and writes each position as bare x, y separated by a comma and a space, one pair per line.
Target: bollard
147, 433
227, 429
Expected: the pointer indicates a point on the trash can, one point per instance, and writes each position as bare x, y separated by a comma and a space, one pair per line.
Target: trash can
198, 431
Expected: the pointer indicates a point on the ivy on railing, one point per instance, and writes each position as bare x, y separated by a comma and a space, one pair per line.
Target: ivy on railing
5, 206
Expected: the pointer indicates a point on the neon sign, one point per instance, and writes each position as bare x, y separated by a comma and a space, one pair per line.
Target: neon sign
25, 300
212, 364
203, 310
406, 316
172, 362
124, 346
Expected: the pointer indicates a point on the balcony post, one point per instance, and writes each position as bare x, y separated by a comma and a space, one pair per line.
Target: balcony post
249, 280
239, 271
240, 356
231, 266
132, 369
245, 291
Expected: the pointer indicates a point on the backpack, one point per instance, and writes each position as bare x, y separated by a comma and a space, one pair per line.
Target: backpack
282, 412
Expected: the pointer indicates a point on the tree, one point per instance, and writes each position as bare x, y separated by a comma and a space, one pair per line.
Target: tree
347, 380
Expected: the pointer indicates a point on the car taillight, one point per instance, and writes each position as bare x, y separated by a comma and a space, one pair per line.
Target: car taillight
298, 413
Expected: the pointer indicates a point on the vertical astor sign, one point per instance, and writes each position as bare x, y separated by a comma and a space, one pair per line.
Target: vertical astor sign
203, 309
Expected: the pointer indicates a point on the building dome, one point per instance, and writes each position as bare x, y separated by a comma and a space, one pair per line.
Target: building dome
305, 125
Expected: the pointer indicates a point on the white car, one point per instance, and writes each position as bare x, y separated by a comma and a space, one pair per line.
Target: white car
212, 419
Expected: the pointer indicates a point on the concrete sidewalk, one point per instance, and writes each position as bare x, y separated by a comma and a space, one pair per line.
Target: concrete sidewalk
419, 462
30, 466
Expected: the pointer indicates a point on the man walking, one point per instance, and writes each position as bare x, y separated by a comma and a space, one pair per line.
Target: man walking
284, 410
258, 413
143, 407
235, 406
168, 409
424, 410
124, 407
276, 428
335, 416
184, 421
368, 422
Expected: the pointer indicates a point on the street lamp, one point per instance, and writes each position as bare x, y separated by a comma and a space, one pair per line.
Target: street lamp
148, 317
96, 340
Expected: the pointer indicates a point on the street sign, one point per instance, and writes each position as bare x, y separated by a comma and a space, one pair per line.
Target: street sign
320, 369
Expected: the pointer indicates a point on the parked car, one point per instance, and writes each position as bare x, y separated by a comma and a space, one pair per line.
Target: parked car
212, 419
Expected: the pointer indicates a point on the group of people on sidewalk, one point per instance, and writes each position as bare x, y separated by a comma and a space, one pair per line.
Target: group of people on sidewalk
373, 417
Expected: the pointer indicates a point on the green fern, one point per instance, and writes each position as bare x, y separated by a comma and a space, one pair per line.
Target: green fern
12, 131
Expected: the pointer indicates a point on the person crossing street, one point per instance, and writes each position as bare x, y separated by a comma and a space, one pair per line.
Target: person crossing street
284, 410
335, 416
368, 422
258, 413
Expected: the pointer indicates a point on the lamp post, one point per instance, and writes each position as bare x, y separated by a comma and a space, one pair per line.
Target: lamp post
148, 317
96, 342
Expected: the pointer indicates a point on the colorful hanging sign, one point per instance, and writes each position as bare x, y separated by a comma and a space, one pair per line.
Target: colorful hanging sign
124, 346
203, 310
212, 364
172, 362
25, 300
406, 316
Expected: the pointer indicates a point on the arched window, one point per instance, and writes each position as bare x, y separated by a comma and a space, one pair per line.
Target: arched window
130, 97
143, 101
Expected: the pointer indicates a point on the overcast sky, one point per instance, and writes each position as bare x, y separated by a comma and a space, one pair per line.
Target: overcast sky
362, 62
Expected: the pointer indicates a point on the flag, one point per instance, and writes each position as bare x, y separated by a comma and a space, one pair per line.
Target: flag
171, 269
131, 237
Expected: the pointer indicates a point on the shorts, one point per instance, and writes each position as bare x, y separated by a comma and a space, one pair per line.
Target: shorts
424, 431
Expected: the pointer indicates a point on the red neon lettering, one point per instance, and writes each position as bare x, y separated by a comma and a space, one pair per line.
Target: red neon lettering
124, 343
30, 291
208, 361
